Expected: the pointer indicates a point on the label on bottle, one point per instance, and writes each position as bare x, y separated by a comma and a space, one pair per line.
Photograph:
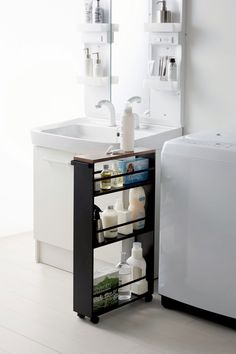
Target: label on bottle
137, 272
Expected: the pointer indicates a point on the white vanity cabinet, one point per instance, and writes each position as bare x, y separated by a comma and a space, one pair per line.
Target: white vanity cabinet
53, 207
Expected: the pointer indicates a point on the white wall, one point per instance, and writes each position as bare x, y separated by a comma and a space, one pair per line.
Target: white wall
40, 47
211, 65
39, 61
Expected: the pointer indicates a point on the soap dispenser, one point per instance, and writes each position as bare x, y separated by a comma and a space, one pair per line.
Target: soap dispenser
127, 129
88, 63
163, 15
97, 67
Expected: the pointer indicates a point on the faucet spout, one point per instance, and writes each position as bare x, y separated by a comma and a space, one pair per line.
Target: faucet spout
111, 109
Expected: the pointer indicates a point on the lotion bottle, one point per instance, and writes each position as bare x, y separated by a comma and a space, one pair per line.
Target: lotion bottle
127, 130
97, 67
137, 200
88, 63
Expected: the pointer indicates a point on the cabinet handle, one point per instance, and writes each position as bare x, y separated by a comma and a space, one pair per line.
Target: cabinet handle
58, 162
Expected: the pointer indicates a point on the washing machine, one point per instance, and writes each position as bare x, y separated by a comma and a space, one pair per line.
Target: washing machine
198, 222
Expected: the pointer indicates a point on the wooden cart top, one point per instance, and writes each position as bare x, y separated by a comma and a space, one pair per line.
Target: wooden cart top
96, 158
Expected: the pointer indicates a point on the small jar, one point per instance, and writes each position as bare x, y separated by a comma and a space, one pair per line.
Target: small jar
106, 184
110, 218
119, 181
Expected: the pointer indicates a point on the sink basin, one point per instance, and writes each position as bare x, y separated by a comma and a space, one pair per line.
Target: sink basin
84, 135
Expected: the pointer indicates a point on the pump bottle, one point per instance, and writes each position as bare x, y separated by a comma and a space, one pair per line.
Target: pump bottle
97, 67
127, 129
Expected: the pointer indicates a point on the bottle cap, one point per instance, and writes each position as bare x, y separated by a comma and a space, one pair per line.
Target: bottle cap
137, 251
172, 60
128, 108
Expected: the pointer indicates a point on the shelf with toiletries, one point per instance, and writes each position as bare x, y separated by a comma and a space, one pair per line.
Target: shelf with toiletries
97, 81
165, 16
121, 303
122, 237
94, 228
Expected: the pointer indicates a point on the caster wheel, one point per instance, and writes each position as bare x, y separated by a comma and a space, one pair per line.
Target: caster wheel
148, 298
94, 319
81, 316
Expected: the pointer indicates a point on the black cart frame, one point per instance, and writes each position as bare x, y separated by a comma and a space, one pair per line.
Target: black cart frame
85, 241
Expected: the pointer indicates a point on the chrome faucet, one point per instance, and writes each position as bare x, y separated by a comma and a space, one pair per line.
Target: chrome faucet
111, 109
136, 99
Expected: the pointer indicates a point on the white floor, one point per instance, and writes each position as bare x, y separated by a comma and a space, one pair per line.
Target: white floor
36, 316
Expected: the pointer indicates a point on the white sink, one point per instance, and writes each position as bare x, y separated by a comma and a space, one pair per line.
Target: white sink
84, 135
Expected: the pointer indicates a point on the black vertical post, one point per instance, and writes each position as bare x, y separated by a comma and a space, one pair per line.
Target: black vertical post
83, 238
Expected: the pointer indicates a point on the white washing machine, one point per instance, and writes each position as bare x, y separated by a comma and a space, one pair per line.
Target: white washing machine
198, 222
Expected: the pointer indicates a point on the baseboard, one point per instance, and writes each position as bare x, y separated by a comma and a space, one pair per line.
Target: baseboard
171, 304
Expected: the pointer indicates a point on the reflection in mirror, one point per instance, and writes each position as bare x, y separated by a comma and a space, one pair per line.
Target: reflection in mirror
130, 53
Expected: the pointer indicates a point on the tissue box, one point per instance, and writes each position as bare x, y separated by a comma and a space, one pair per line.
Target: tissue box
105, 278
133, 165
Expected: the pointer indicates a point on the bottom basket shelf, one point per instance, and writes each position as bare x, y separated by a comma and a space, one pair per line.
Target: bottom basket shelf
147, 296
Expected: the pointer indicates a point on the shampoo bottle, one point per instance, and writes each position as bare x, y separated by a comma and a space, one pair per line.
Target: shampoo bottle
127, 130
137, 199
138, 266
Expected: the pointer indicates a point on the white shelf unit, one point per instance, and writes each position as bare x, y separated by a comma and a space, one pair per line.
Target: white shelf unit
166, 40
163, 27
97, 33
98, 27
155, 83
97, 81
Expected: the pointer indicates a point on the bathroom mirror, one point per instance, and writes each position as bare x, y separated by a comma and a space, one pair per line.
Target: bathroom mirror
129, 53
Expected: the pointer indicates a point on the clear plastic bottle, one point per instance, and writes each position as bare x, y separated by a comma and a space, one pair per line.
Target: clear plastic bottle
124, 268
106, 184
119, 181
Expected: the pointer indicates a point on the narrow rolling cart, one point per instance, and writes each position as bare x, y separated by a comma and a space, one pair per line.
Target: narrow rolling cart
85, 232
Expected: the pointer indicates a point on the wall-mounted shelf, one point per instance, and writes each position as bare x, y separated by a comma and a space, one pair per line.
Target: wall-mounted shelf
97, 81
163, 27
156, 84
98, 27
98, 33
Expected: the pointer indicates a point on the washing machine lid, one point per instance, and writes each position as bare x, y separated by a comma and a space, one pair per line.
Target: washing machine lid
218, 146
212, 138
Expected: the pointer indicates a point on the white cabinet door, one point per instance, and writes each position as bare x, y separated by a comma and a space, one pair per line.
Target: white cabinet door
53, 197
